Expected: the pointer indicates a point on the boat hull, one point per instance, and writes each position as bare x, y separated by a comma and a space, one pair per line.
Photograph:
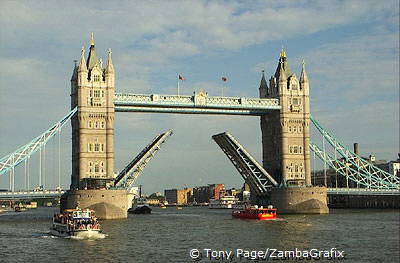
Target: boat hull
255, 213
253, 216
84, 234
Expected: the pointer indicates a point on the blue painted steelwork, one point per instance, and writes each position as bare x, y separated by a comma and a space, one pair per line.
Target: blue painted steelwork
199, 103
361, 191
22, 195
360, 170
13, 159
126, 178
349, 171
252, 172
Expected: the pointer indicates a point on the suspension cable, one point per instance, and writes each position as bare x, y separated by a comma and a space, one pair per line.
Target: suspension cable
59, 159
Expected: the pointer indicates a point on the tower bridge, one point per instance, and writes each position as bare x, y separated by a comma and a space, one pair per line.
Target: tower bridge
283, 178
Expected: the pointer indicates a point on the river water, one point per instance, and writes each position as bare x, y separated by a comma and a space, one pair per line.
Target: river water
168, 235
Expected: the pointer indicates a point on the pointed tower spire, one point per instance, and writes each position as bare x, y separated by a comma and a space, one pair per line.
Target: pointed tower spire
82, 64
91, 39
75, 72
263, 87
110, 67
263, 83
282, 73
92, 58
303, 76
285, 65
283, 53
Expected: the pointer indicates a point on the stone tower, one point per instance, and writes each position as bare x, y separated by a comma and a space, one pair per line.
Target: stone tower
285, 142
92, 91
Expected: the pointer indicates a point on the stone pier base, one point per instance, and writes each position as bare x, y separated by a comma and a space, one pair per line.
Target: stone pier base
108, 204
300, 200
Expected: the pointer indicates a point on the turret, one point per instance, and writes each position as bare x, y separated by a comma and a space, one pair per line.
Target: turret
82, 69
282, 78
304, 83
264, 92
109, 71
74, 76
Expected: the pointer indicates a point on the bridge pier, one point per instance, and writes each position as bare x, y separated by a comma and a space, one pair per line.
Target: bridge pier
300, 200
108, 204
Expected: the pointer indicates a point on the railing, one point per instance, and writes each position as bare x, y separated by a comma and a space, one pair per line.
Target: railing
362, 191
198, 103
31, 194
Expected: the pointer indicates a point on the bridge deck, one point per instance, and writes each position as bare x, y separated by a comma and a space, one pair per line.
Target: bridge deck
199, 103
30, 194
362, 191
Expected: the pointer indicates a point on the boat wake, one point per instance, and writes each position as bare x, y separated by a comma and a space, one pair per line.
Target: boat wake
89, 237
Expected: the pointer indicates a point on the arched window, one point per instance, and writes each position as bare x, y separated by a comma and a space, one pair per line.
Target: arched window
90, 167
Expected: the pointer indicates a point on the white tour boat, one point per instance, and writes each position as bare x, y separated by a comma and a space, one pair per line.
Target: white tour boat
80, 223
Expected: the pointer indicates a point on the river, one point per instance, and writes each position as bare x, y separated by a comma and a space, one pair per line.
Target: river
168, 235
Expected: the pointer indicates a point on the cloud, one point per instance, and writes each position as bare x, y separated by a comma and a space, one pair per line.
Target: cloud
153, 40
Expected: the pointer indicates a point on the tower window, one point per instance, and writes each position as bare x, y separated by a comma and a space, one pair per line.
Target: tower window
96, 78
295, 149
90, 147
103, 124
96, 147
90, 167
96, 168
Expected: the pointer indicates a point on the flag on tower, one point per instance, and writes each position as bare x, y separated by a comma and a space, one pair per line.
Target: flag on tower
224, 79
181, 77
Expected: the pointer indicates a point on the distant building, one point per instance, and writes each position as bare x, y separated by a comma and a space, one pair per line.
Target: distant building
179, 196
203, 194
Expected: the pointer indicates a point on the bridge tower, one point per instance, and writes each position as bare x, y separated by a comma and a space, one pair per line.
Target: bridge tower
92, 92
285, 141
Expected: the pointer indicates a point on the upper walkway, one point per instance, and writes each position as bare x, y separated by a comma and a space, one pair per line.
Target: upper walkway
199, 103
20, 195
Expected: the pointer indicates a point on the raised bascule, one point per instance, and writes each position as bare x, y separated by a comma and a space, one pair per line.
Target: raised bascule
283, 179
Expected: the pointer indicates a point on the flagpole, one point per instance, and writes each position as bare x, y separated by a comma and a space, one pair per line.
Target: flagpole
178, 87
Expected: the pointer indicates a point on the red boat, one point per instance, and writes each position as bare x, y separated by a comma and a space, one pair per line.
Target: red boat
256, 213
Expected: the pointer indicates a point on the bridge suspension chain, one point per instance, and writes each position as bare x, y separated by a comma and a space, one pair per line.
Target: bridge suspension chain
363, 167
11, 160
344, 168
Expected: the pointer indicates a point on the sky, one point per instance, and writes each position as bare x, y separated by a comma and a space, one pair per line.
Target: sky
351, 51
